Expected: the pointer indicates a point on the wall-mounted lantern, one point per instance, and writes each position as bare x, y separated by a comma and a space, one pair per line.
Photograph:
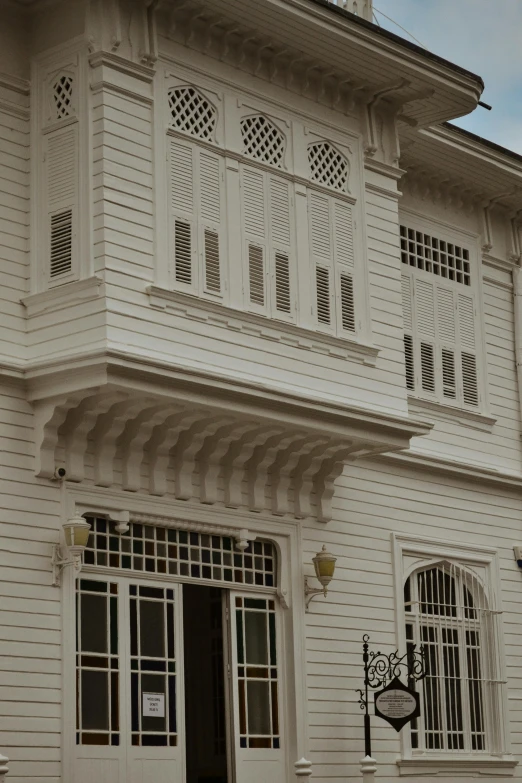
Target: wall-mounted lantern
76, 533
324, 564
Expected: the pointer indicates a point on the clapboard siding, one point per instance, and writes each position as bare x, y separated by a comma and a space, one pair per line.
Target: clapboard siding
372, 502
14, 232
30, 609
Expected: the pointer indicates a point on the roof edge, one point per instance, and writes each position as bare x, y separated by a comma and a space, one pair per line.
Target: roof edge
481, 140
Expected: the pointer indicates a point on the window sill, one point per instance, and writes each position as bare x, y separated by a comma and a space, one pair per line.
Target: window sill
63, 296
270, 329
441, 412
483, 766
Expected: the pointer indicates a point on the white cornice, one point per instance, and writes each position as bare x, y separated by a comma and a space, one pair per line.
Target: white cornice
117, 63
63, 296
14, 83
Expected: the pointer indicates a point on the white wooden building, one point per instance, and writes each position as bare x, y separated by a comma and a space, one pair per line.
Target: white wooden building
257, 296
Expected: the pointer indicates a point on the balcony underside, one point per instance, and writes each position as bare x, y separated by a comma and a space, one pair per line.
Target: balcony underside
202, 438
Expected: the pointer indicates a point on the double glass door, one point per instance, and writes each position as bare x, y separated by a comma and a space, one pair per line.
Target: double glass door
176, 684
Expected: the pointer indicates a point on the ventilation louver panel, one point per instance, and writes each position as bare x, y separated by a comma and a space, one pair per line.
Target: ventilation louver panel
256, 275
322, 278
183, 252
409, 362
469, 379
61, 243
282, 283
449, 383
62, 95
427, 367
434, 255
212, 265
347, 303
328, 166
262, 140
192, 113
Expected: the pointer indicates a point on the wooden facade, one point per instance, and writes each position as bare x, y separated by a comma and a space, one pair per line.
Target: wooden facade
256, 292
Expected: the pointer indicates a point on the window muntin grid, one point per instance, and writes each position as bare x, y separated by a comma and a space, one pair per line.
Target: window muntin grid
192, 113
153, 665
328, 166
257, 677
434, 255
158, 550
262, 140
97, 663
62, 92
447, 614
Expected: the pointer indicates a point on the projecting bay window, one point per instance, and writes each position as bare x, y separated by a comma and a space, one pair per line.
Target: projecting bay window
440, 313
178, 658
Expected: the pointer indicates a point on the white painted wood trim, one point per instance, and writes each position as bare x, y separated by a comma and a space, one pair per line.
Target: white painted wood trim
417, 406
63, 296
271, 329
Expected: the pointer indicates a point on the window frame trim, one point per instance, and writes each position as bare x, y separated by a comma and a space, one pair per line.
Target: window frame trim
429, 549
454, 233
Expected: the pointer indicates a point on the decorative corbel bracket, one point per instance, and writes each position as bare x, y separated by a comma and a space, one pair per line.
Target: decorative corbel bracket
487, 244
371, 105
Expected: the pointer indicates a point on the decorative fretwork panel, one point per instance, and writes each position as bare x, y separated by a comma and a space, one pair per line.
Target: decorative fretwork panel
262, 140
192, 113
62, 97
328, 166
158, 550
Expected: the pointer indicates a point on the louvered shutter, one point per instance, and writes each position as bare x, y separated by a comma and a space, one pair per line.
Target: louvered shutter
425, 319
255, 237
210, 206
282, 295
466, 321
446, 332
183, 218
322, 261
61, 184
343, 241
407, 312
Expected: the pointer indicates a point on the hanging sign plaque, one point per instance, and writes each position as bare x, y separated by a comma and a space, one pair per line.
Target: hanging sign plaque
397, 704
154, 705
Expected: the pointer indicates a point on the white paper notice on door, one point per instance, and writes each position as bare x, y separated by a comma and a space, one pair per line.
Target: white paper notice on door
154, 705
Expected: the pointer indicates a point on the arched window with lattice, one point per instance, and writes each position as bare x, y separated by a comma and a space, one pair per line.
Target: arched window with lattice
192, 113
62, 97
263, 141
448, 612
328, 166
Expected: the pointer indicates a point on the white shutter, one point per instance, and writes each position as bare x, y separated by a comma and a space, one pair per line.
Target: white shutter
61, 200
321, 244
255, 237
466, 312
344, 260
425, 320
256, 673
446, 332
181, 183
210, 206
280, 210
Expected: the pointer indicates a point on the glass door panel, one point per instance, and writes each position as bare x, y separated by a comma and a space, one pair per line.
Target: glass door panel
256, 667
155, 638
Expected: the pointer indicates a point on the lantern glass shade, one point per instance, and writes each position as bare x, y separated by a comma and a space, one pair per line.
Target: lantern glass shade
76, 531
324, 564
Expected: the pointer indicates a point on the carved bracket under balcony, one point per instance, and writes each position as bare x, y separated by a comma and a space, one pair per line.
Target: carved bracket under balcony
282, 459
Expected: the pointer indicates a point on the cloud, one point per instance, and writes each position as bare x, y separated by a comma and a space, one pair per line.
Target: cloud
483, 36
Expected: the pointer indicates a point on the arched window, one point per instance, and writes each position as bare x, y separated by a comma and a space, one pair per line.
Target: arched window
262, 140
192, 113
447, 612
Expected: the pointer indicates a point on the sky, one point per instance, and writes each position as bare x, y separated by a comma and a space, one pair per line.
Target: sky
484, 36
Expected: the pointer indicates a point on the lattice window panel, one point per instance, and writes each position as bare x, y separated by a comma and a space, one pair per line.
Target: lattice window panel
159, 550
191, 113
435, 255
262, 140
328, 166
62, 95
